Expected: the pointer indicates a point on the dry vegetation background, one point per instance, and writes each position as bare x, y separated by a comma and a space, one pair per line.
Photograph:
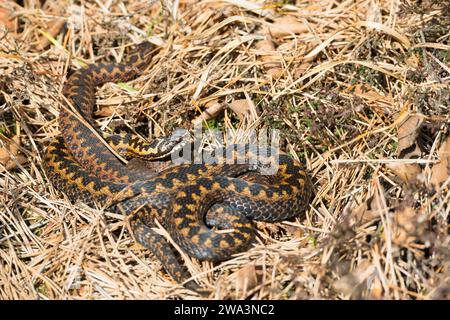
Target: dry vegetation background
358, 89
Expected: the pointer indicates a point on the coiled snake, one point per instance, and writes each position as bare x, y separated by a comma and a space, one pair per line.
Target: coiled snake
179, 197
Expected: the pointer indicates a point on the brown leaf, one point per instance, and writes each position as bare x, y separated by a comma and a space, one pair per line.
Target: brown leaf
370, 209
407, 134
367, 92
378, 101
376, 289
407, 172
241, 107
441, 171
246, 279
106, 111
352, 281
7, 151
265, 46
362, 214
85, 291
20, 159
412, 61
212, 109
405, 225
296, 232
301, 69
5, 155
7, 19
275, 73
53, 29
9, 154
14, 145
136, 246
286, 25
267, 53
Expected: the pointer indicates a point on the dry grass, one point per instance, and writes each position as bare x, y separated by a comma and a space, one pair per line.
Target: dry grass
337, 86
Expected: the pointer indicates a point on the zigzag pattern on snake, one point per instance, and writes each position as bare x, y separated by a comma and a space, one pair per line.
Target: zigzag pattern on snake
179, 197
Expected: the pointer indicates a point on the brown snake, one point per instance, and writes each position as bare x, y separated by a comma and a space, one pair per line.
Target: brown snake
179, 197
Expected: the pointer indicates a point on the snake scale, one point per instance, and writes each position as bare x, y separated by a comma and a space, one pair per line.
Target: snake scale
80, 164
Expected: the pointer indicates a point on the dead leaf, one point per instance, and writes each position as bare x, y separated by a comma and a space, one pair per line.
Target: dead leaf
407, 172
407, 133
268, 54
285, 26
301, 69
351, 283
380, 102
367, 92
441, 171
405, 225
85, 291
369, 210
275, 73
7, 19
14, 145
212, 109
4, 156
296, 232
376, 289
53, 29
106, 111
203, 16
246, 279
412, 61
241, 107
9, 155
136, 246
363, 214
265, 45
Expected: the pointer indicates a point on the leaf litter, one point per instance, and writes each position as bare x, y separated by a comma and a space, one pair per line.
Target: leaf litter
359, 92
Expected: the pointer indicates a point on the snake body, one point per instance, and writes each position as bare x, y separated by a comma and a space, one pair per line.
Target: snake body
79, 163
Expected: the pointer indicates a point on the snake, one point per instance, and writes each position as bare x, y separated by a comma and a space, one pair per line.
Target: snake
206, 208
